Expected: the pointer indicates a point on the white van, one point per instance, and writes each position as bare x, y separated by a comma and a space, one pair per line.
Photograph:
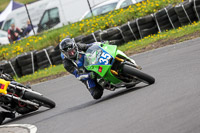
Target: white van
3, 38
19, 16
63, 12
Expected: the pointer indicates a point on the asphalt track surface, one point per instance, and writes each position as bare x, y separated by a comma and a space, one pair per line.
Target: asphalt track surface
171, 105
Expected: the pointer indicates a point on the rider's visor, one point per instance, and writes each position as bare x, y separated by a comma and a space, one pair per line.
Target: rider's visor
70, 52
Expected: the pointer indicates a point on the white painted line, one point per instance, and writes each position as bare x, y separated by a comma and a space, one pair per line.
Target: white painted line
29, 127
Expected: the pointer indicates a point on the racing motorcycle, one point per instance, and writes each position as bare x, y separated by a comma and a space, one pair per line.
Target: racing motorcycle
113, 68
18, 98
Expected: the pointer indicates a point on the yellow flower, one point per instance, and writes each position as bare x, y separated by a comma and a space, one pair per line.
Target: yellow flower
138, 4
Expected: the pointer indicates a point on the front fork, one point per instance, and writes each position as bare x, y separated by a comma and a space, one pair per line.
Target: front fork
131, 62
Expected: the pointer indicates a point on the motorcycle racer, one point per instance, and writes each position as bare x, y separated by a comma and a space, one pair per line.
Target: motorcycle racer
73, 59
4, 114
4, 102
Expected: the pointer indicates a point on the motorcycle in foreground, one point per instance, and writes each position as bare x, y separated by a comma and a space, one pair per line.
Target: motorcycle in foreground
113, 68
18, 98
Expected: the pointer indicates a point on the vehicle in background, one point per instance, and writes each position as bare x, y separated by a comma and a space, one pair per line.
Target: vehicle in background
3, 38
62, 12
108, 6
19, 16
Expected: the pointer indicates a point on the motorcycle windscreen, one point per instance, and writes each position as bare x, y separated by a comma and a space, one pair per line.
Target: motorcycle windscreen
95, 55
92, 55
97, 58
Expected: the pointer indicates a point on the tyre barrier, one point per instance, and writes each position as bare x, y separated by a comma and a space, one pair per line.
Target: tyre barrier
146, 26
93, 37
55, 57
130, 31
11, 67
170, 17
79, 38
197, 8
167, 19
185, 12
43, 58
27, 62
114, 35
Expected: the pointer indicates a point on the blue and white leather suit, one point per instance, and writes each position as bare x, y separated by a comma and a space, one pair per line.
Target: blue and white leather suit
76, 68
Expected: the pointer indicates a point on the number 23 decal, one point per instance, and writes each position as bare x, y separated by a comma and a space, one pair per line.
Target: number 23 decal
105, 58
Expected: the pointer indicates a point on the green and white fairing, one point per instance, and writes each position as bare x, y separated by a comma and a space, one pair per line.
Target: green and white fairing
113, 68
100, 57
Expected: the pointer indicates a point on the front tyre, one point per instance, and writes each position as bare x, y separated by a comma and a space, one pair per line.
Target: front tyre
133, 72
41, 100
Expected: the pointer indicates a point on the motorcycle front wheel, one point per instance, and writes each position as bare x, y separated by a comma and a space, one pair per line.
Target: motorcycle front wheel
41, 100
133, 72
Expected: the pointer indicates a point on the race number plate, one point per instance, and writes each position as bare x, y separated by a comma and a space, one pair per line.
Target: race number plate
3, 86
104, 59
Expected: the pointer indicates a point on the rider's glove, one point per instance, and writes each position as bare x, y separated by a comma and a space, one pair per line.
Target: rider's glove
92, 75
85, 76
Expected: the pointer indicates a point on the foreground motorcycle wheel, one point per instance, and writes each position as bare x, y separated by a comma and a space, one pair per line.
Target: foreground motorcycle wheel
43, 101
131, 71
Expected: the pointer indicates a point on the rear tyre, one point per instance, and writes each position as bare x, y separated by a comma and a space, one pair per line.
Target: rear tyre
41, 100
133, 72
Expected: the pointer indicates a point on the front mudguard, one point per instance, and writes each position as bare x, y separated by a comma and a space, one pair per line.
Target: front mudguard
133, 63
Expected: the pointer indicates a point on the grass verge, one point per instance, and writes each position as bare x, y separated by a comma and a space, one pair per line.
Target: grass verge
148, 43
43, 75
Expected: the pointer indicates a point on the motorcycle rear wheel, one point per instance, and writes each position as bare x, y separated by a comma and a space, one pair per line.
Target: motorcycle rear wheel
43, 101
133, 72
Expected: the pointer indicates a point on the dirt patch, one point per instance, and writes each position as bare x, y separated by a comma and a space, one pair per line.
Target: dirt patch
157, 44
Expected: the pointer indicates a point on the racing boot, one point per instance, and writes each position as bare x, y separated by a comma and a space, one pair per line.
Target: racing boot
96, 92
95, 89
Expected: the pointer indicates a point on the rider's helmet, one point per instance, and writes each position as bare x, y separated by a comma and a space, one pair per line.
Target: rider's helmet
69, 48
